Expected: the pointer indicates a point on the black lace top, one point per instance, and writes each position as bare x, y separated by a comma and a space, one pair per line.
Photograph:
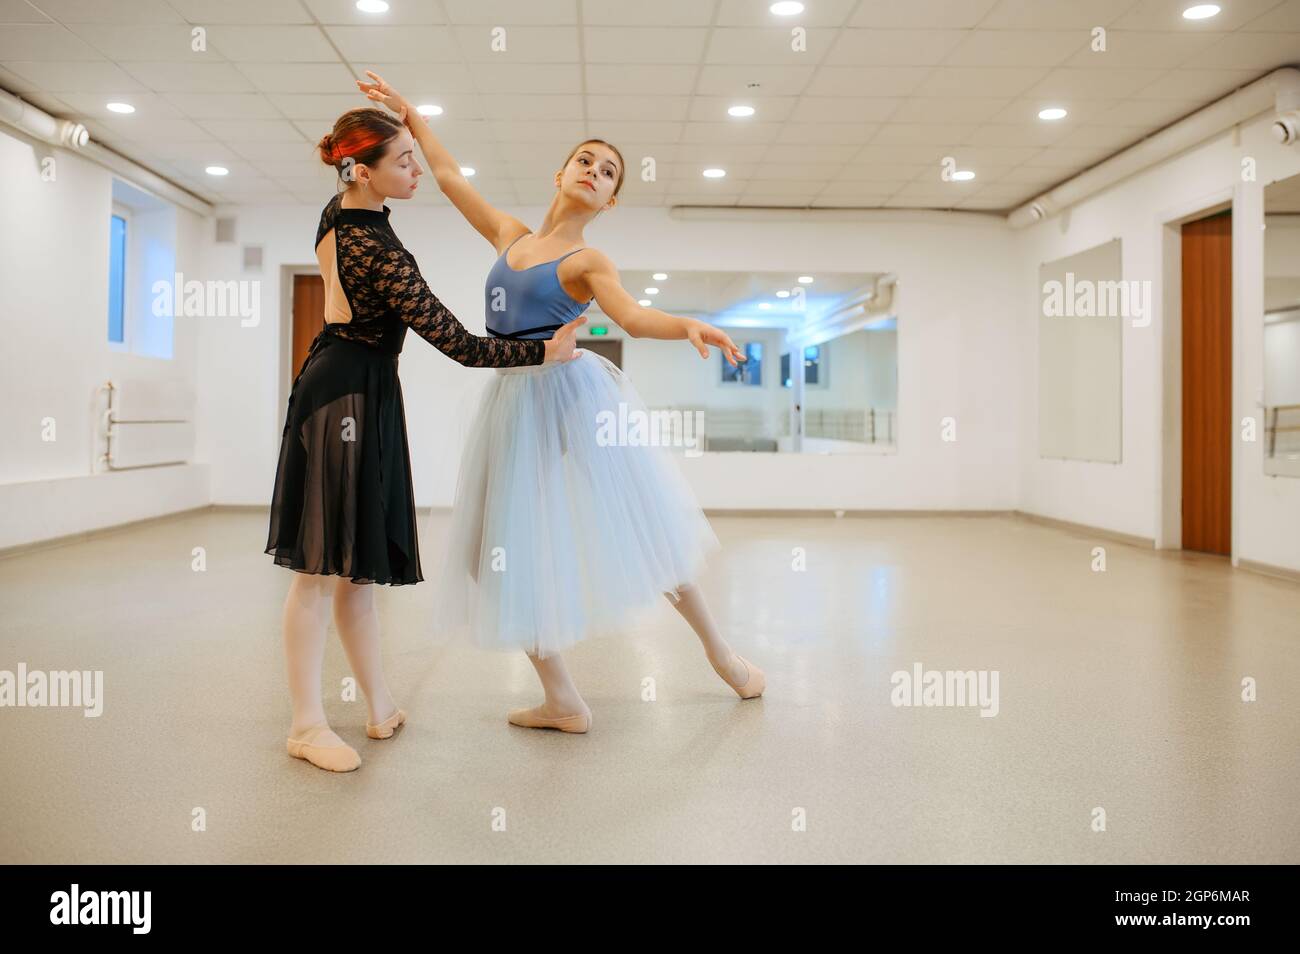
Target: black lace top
386, 294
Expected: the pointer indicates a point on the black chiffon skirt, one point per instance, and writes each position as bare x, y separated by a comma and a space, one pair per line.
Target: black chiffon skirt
343, 503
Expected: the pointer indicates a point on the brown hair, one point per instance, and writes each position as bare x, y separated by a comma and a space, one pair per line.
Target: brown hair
361, 135
621, 165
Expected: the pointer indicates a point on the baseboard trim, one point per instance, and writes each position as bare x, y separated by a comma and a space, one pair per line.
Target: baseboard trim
1268, 569
1145, 543
86, 535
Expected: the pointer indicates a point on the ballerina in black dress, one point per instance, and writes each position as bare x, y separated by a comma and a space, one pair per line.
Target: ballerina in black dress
343, 504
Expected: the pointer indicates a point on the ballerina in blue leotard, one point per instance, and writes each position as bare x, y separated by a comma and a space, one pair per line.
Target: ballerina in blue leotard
522, 570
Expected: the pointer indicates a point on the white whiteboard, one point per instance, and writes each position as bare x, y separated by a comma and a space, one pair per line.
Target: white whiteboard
1080, 372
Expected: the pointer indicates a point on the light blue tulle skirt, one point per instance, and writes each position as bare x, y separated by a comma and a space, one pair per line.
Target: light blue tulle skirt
566, 523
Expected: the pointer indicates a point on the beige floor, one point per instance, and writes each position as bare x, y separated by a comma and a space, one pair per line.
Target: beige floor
1119, 690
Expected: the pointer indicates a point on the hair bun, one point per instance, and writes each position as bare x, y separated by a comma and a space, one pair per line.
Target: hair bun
326, 147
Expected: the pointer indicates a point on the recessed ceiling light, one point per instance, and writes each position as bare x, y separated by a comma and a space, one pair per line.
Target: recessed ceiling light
805, 279
467, 171
428, 109
786, 8
714, 173
217, 171
1202, 11
963, 175
783, 294
1052, 112
740, 111
660, 276
652, 290
645, 303
121, 107
372, 6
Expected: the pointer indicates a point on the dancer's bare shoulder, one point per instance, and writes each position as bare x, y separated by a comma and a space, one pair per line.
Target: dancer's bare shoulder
590, 260
587, 268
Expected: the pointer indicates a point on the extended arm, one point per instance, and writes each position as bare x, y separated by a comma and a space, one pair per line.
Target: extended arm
398, 281
490, 222
640, 321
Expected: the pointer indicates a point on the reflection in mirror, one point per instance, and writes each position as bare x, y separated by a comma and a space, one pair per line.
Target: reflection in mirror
839, 397
1281, 398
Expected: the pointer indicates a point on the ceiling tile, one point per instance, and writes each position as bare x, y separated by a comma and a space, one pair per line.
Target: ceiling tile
522, 44
742, 45
143, 42
79, 77
894, 47
241, 11
948, 14
626, 13
271, 44
498, 77
395, 44
981, 82
252, 130
190, 77
298, 78
752, 80
644, 45
648, 108
47, 42
641, 79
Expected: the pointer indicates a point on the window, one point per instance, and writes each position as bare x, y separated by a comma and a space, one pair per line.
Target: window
813, 372
117, 278
749, 371
812, 364
141, 254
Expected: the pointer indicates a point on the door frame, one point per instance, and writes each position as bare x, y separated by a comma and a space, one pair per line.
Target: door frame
1169, 407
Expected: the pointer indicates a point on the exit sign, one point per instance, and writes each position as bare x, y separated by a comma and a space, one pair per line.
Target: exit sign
599, 330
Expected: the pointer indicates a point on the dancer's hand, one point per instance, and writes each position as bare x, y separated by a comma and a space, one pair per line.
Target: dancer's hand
380, 92
702, 334
562, 346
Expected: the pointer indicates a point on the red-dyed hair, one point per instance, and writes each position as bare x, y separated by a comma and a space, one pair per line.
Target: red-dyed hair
361, 135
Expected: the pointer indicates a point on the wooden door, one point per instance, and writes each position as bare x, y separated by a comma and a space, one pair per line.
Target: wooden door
1207, 384
308, 316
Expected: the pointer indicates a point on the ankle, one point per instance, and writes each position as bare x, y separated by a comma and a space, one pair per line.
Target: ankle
721, 659
565, 704
306, 728
383, 711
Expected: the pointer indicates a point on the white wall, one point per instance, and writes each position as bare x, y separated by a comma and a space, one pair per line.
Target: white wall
1127, 497
956, 345
966, 301
55, 355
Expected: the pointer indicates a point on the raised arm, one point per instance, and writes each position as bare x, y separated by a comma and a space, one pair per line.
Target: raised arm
490, 222
601, 277
398, 282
